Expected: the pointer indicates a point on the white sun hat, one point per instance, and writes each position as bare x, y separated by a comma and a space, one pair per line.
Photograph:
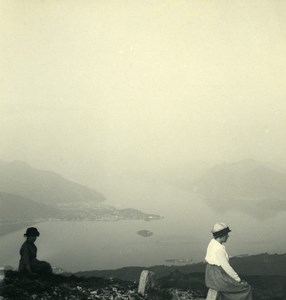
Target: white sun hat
220, 229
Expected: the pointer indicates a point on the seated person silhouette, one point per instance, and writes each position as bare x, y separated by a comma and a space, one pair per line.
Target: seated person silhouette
29, 262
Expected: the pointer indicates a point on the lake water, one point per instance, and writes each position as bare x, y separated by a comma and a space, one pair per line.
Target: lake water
183, 234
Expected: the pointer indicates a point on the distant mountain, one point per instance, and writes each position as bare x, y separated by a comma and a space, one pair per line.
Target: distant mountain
245, 185
17, 209
47, 187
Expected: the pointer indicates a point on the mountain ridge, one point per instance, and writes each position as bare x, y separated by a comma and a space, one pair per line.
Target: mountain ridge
247, 185
43, 186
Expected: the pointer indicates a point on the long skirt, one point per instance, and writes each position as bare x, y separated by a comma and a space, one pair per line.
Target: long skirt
228, 288
41, 267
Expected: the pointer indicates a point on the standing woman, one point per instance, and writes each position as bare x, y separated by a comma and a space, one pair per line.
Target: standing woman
29, 262
219, 275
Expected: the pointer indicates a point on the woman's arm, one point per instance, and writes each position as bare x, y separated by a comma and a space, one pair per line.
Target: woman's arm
221, 256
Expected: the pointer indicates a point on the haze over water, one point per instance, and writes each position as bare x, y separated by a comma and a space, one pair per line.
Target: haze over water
182, 234
119, 94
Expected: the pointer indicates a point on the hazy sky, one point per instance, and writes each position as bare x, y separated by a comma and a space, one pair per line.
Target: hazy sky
98, 90
131, 84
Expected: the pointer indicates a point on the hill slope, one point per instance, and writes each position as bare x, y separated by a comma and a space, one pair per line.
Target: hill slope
18, 209
176, 285
185, 282
19, 178
261, 265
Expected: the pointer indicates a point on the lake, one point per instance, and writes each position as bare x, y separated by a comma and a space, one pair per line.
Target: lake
183, 234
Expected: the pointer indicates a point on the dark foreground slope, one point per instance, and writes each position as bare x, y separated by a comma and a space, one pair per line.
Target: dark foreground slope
58, 287
265, 272
175, 286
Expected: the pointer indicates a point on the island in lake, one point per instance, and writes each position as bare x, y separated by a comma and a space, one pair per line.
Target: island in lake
145, 233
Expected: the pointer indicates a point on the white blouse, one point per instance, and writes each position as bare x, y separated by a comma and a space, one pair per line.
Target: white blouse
216, 255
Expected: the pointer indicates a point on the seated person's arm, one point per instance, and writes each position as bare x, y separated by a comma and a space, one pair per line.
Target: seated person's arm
226, 266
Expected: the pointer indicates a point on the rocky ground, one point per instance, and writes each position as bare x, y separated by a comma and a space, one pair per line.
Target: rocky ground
175, 286
16, 286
